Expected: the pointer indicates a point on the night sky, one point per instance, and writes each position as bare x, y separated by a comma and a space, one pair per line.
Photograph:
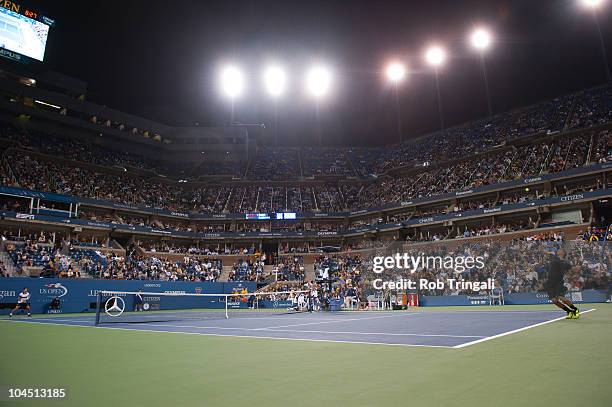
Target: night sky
160, 59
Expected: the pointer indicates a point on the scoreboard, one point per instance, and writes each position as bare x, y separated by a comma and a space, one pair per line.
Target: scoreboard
23, 32
267, 216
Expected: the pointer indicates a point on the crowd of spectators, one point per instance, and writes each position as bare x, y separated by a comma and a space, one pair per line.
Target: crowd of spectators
325, 161
468, 139
133, 267
552, 155
593, 107
37, 256
344, 275
521, 224
602, 152
421, 168
74, 149
519, 265
227, 167
596, 234
289, 268
249, 269
274, 164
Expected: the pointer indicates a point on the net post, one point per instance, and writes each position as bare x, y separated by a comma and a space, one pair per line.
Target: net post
98, 303
226, 300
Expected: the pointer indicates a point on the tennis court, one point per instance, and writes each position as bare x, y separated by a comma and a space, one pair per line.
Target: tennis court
430, 356
426, 328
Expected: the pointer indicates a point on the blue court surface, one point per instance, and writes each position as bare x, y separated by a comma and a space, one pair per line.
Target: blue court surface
446, 329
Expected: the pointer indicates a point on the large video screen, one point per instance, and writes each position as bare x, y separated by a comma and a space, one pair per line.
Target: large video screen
23, 35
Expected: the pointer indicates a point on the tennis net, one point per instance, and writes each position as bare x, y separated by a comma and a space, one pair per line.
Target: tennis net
142, 307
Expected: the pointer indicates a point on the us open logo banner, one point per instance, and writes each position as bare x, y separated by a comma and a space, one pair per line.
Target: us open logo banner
54, 290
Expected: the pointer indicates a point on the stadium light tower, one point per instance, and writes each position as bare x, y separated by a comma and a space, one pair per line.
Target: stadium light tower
436, 56
592, 3
275, 81
318, 84
396, 72
318, 81
232, 85
481, 41
594, 6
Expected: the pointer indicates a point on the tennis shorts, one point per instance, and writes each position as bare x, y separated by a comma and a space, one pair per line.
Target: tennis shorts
557, 289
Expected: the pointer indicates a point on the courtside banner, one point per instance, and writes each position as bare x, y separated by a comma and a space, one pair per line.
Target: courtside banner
587, 296
79, 295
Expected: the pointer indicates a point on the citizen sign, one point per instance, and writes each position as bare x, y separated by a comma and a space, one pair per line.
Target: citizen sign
572, 197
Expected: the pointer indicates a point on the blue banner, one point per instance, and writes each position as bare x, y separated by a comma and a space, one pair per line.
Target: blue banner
79, 295
586, 296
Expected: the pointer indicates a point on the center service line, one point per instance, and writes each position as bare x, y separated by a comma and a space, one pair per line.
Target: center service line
341, 320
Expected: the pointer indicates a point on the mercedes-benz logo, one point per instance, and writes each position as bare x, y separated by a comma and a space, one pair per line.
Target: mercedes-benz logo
114, 306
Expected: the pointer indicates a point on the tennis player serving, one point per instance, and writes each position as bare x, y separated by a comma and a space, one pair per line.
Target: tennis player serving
23, 302
554, 285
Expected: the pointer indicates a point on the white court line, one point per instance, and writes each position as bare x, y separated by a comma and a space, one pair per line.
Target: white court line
318, 320
488, 338
310, 331
434, 310
296, 331
90, 319
376, 333
51, 319
516, 311
236, 336
339, 320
